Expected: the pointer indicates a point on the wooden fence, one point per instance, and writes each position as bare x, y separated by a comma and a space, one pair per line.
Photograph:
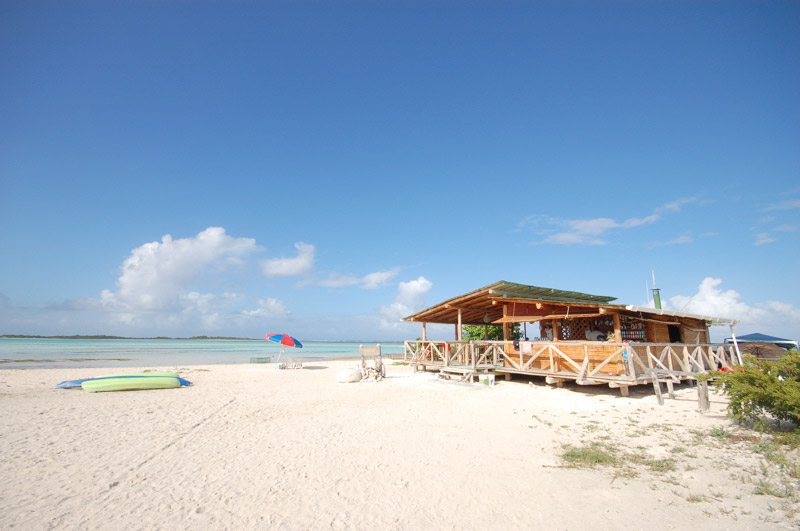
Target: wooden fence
585, 362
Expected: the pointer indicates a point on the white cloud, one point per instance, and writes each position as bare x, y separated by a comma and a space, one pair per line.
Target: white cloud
156, 276
763, 238
379, 278
680, 240
591, 231
763, 221
370, 281
207, 309
676, 205
268, 308
591, 226
573, 238
784, 205
154, 288
336, 280
712, 301
770, 317
588, 231
302, 264
410, 299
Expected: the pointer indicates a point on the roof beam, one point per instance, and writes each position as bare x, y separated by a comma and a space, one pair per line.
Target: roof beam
585, 298
535, 318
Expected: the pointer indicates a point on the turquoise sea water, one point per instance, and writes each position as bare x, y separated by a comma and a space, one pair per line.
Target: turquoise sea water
47, 353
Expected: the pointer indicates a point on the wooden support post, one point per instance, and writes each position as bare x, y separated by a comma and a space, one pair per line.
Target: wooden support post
424, 331
632, 357
556, 330
458, 330
585, 365
617, 329
671, 390
508, 376
623, 390
702, 395
505, 325
657, 388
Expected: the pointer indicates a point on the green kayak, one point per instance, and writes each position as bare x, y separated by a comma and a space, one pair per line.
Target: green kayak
131, 383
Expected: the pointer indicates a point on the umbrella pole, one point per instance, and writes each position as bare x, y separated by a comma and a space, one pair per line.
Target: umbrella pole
283, 349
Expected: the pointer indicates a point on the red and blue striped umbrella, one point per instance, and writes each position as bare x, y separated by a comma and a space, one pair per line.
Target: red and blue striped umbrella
284, 339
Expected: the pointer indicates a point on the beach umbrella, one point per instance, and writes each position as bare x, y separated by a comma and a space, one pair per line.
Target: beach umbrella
284, 340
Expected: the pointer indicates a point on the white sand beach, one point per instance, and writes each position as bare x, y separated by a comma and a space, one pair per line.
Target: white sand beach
252, 447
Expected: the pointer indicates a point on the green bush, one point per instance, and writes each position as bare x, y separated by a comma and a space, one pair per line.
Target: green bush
764, 388
477, 332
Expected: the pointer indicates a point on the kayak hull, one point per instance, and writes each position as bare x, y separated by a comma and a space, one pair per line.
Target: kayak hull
128, 383
73, 384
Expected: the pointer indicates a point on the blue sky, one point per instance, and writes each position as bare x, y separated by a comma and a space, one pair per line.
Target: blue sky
325, 168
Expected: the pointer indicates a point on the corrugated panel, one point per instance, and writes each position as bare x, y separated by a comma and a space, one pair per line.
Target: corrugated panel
478, 303
547, 294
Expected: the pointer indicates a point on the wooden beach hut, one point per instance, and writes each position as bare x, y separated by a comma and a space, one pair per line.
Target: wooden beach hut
581, 337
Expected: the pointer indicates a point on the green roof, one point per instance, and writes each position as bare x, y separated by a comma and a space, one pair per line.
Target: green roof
476, 305
523, 291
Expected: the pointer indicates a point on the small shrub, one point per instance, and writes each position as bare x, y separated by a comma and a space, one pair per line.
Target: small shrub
720, 433
764, 387
662, 465
774, 453
588, 456
765, 488
767, 448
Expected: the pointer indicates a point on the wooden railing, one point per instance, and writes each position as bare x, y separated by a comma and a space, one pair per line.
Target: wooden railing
586, 362
438, 352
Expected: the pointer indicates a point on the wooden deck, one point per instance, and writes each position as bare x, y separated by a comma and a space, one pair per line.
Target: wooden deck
618, 365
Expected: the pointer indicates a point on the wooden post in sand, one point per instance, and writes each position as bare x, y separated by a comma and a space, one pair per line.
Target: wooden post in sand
702, 395
657, 388
671, 389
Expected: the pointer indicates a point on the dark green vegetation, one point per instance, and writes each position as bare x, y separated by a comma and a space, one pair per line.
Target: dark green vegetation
762, 390
477, 333
604, 454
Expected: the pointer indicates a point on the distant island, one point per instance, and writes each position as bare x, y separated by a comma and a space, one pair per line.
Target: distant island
18, 336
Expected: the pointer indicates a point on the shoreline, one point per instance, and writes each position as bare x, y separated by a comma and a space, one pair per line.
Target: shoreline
250, 446
72, 363
117, 353
100, 338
